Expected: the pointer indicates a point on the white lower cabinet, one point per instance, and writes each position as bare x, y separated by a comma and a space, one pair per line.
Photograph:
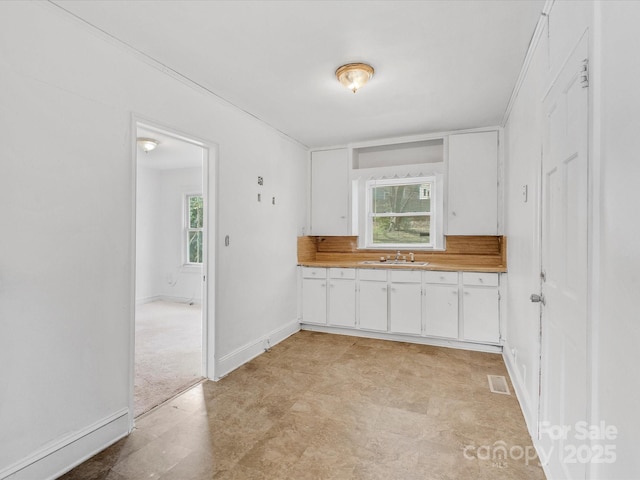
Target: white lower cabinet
342, 297
441, 310
449, 305
480, 307
405, 302
372, 300
441, 304
314, 300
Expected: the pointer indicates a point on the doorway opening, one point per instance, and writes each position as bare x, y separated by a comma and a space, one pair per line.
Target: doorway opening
170, 267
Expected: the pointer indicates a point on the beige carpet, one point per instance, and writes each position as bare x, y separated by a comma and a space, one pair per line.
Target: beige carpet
168, 351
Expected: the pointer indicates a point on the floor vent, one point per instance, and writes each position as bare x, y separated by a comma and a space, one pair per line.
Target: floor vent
498, 384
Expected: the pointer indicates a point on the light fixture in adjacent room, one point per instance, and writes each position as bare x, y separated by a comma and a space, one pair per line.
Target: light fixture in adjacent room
354, 75
147, 144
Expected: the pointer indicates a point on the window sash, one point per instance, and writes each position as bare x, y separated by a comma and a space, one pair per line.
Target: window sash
371, 215
189, 230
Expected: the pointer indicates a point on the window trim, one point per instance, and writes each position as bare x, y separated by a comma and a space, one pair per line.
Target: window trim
187, 229
433, 213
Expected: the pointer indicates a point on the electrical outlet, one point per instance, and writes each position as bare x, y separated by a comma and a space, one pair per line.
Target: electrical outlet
260, 181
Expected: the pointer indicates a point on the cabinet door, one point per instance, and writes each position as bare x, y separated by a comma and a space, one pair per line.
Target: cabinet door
481, 317
342, 303
373, 305
441, 310
473, 184
405, 309
314, 300
330, 192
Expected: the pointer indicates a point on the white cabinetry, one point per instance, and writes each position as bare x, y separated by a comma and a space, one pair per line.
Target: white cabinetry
330, 192
480, 307
473, 184
372, 302
449, 306
405, 302
314, 295
441, 304
342, 297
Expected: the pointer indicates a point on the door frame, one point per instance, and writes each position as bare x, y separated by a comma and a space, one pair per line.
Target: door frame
210, 254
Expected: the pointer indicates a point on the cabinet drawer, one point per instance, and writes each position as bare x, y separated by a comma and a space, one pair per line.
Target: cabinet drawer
347, 273
450, 278
406, 276
476, 278
313, 272
374, 275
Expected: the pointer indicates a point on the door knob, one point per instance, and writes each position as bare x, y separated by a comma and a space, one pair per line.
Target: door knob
535, 298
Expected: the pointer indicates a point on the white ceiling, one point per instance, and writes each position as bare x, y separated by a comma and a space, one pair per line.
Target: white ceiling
439, 65
170, 153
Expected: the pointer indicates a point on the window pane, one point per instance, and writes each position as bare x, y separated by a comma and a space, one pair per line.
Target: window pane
402, 198
195, 212
409, 230
195, 247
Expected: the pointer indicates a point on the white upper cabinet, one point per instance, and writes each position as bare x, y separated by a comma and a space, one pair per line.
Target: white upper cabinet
473, 184
330, 192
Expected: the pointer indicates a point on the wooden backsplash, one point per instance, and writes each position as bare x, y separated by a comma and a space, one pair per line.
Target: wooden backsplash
310, 249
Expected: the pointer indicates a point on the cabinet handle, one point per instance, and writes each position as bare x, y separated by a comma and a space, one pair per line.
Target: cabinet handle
455, 292
331, 285
480, 280
466, 293
323, 284
384, 289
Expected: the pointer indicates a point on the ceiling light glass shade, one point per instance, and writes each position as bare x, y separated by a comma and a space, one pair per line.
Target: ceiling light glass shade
354, 75
147, 144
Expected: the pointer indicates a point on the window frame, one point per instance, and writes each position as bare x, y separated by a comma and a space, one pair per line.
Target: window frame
187, 229
432, 214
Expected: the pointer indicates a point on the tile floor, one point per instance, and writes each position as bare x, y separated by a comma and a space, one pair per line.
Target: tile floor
321, 406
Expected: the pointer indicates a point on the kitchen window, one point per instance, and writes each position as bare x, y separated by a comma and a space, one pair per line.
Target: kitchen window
194, 229
401, 213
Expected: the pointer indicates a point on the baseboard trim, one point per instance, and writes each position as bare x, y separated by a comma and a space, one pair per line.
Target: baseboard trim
143, 300
436, 342
65, 453
168, 298
242, 355
521, 391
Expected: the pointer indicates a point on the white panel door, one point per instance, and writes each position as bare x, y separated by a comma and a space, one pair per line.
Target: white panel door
441, 310
330, 192
342, 303
314, 300
481, 314
405, 309
563, 400
373, 305
473, 184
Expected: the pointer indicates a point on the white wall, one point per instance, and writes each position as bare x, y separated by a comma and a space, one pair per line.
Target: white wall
66, 203
177, 282
614, 255
522, 170
616, 249
148, 239
160, 271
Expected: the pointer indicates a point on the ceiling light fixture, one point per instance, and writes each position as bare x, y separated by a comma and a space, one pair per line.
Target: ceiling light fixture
354, 75
147, 144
